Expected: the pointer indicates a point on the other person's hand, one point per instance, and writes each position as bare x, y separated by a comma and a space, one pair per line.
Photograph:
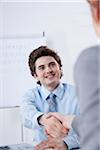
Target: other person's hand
52, 143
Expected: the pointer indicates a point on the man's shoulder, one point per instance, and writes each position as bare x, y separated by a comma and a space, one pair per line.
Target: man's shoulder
33, 90
32, 94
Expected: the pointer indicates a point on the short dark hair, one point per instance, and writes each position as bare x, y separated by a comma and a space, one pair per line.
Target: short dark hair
39, 52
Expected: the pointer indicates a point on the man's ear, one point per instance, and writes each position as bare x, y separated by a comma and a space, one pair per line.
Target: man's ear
95, 10
61, 71
94, 6
35, 75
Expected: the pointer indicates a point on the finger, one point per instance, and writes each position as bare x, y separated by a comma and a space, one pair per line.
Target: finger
59, 125
58, 116
56, 128
42, 146
47, 134
54, 114
58, 133
53, 134
48, 115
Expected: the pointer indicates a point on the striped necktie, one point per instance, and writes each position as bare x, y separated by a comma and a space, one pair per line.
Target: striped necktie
52, 102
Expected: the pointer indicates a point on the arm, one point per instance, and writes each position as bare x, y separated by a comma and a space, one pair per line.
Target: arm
72, 140
29, 110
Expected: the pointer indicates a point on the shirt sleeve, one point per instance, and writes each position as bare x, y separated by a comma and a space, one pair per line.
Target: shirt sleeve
75, 124
72, 140
29, 111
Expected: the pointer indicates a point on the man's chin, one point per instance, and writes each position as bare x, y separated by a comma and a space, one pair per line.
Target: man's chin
52, 83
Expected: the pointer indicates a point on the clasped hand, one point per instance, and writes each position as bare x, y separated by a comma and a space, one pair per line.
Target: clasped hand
55, 130
53, 126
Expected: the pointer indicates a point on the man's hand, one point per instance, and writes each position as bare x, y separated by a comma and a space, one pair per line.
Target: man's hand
53, 126
52, 143
65, 119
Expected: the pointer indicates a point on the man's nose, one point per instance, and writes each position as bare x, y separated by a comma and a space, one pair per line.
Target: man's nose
48, 69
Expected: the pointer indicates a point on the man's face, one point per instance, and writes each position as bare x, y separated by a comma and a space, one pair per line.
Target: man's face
48, 71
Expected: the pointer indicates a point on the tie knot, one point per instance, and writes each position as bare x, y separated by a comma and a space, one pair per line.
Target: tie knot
52, 96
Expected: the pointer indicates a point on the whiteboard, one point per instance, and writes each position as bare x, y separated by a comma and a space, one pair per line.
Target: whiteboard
15, 77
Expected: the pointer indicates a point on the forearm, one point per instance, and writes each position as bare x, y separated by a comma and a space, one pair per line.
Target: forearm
29, 115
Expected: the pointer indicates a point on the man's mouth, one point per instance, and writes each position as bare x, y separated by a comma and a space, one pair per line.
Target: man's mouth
50, 76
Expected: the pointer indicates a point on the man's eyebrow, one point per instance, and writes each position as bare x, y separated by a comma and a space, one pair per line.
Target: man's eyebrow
40, 66
52, 62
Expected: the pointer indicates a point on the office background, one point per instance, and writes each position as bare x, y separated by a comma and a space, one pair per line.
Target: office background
68, 30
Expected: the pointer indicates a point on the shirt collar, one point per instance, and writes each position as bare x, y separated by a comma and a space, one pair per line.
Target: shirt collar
44, 92
59, 92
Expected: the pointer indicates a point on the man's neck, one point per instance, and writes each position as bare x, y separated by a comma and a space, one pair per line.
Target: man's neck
52, 87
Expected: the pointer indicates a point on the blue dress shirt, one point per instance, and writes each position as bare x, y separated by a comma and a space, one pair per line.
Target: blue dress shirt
35, 104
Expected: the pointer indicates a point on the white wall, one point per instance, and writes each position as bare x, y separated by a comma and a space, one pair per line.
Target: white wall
67, 25
10, 126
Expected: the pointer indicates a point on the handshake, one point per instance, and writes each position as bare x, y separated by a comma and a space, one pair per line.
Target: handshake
58, 120
56, 127
66, 120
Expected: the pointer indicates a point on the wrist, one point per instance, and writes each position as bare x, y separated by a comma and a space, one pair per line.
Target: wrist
39, 119
65, 145
69, 121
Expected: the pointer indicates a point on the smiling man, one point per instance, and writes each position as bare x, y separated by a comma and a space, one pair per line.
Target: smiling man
50, 95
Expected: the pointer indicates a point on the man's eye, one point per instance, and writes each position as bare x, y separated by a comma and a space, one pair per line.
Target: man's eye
41, 68
52, 65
